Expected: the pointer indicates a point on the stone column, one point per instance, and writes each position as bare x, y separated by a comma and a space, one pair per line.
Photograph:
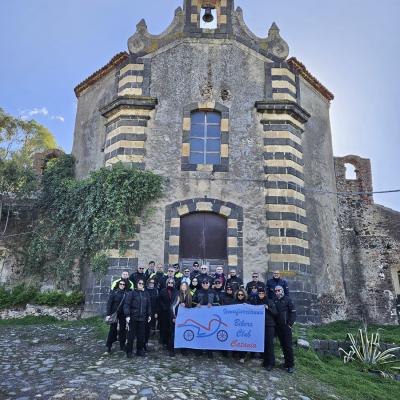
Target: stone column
126, 119
286, 220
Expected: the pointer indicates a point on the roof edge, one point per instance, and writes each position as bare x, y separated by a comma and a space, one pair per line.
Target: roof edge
314, 82
116, 60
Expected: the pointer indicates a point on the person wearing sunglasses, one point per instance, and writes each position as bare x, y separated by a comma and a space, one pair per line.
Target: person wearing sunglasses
286, 316
206, 297
233, 280
240, 297
159, 277
124, 277
137, 310
203, 275
194, 285
270, 329
186, 276
195, 270
164, 309
139, 274
115, 303
229, 297
152, 292
275, 281
255, 281
171, 275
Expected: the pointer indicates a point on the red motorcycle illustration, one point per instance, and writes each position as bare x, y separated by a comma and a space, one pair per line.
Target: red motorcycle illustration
201, 331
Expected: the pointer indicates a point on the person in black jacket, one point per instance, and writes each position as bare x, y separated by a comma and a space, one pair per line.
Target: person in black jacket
139, 274
206, 296
159, 277
234, 281
255, 281
137, 310
124, 277
164, 311
116, 303
253, 295
269, 333
152, 292
203, 275
284, 321
275, 281
195, 270
229, 298
219, 290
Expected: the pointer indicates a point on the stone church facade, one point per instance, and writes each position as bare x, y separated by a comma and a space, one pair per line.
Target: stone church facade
242, 135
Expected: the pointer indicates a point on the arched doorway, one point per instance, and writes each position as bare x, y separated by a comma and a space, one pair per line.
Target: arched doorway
215, 218
203, 237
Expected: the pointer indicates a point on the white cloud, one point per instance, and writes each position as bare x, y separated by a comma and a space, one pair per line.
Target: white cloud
26, 114
58, 118
38, 111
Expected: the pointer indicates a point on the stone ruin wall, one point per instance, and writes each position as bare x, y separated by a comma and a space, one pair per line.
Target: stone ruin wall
370, 240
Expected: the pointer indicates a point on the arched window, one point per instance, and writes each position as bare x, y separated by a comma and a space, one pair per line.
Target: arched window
351, 172
205, 138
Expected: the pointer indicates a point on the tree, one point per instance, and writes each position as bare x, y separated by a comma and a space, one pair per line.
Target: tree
19, 141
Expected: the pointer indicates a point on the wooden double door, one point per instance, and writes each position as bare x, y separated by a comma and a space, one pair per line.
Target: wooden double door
203, 238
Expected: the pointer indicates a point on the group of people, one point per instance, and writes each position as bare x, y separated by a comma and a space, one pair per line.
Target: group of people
150, 299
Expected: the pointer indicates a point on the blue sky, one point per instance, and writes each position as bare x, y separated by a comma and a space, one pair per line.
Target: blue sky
47, 47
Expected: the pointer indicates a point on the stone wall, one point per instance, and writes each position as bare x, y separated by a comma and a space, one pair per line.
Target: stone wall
331, 347
60, 313
370, 240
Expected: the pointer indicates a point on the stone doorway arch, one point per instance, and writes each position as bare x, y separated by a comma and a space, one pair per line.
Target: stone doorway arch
232, 212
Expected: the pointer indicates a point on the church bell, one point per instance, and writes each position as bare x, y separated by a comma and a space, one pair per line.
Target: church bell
208, 17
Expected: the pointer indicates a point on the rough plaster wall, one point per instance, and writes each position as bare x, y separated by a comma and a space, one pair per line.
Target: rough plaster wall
371, 248
194, 72
322, 209
89, 132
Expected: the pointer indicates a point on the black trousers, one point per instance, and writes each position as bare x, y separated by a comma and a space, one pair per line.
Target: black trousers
163, 323
136, 330
171, 335
284, 333
113, 332
150, 326
269, 355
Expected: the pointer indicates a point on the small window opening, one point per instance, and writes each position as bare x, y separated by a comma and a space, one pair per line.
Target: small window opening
209, 25
351, 172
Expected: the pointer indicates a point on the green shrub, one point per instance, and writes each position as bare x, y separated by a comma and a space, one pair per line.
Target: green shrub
21, 295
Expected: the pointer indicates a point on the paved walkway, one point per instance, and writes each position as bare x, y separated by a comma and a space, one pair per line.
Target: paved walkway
52, 362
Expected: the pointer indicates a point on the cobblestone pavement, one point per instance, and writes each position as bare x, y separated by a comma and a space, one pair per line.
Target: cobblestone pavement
53, 362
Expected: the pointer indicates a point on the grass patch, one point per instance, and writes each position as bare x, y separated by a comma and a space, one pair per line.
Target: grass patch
338, 331
347, 380
21, 295
29, 320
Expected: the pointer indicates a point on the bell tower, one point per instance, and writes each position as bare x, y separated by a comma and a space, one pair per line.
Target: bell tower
208, 15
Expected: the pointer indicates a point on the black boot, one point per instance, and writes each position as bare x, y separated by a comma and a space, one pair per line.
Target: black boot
109, 349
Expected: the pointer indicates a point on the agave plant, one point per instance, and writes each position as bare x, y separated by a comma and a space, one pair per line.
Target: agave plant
368, 351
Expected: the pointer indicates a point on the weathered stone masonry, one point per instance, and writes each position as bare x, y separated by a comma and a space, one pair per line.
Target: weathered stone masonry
340, 256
